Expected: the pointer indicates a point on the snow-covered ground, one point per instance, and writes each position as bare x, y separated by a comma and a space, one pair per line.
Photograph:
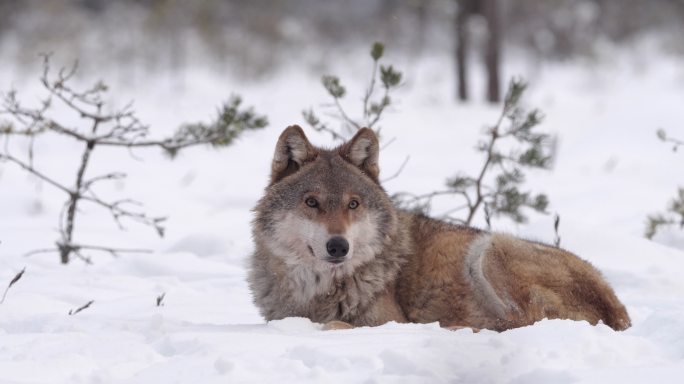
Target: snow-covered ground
610, 173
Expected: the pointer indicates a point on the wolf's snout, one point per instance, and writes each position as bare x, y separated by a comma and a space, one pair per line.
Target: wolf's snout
337, 247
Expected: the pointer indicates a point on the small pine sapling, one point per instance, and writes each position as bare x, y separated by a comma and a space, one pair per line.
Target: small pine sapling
497, 186
97, 129
387, 78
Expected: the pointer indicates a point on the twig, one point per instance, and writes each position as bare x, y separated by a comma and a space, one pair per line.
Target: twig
34, 172
479, 198
344, 115
160, 299
369, 91
556, 224
662, 135
401, 168
115, 252
381, 109
79, 309
14, 280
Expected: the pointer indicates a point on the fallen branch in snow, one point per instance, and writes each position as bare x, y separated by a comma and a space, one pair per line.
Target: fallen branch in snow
14, 280
79, 309
120, 128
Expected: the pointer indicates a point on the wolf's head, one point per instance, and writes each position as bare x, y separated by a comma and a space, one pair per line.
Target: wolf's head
325, 208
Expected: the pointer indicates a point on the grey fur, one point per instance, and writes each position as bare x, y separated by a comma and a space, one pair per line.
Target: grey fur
286, 281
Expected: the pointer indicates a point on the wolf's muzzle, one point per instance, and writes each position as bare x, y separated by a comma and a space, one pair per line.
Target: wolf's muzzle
337, 248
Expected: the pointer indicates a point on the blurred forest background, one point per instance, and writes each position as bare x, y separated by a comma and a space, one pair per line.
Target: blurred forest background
252, 38
179, 59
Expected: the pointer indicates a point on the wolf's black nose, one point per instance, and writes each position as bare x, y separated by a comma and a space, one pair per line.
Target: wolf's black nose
337, 246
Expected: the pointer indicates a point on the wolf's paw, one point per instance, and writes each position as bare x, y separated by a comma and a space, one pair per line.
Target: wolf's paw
457, 327
336, 325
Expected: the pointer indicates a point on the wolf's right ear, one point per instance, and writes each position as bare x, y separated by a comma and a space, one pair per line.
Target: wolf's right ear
362, 151
292, 151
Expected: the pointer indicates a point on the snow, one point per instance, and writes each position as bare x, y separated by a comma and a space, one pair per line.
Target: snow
610, 173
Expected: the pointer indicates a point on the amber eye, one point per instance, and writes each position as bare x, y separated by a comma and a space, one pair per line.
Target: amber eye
311, 202
353, 204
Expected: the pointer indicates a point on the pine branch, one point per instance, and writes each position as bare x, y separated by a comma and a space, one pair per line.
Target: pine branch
499, 194
372, 109
673, 216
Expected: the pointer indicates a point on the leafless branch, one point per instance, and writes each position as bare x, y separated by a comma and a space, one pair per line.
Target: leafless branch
115, 252
81, 308
398, 172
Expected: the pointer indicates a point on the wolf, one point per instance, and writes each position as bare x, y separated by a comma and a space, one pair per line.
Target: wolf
331, 246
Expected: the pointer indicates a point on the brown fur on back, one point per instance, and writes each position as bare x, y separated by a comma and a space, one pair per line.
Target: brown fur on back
505, 283
402, 266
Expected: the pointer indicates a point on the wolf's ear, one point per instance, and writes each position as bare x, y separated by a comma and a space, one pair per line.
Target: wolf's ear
362, 151
292, 151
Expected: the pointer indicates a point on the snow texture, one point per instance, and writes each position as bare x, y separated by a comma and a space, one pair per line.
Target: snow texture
610, 173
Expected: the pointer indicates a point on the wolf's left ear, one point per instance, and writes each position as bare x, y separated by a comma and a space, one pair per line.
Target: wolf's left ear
292, 151
362, 151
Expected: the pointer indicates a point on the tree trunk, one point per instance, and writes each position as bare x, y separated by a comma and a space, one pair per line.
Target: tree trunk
461, 31
493, 55
422, 23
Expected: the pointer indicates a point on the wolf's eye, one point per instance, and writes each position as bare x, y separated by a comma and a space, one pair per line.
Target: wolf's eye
353, 204
311, 202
